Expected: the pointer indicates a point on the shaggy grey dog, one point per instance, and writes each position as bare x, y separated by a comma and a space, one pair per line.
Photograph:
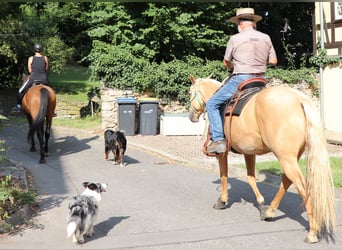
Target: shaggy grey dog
83, 210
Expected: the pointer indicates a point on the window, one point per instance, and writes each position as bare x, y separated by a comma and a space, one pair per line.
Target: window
338, 10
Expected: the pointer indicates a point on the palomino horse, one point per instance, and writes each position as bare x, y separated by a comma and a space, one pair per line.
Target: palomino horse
39, 105
283, 121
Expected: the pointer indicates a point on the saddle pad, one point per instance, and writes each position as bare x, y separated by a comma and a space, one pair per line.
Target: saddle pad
244, 95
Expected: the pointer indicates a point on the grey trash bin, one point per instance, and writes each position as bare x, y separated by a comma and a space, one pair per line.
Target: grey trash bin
148, 116
127, 110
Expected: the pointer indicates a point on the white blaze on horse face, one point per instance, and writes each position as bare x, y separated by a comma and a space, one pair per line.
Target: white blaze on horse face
196, 104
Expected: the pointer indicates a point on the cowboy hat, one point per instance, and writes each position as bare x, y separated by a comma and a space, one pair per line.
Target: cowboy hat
245, 14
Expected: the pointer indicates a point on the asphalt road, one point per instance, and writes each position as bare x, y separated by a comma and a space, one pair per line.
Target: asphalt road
152, 203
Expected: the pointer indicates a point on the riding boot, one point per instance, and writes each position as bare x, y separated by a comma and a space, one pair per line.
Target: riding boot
17, 109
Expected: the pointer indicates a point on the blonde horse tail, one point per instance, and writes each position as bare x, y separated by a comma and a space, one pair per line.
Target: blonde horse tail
319, 183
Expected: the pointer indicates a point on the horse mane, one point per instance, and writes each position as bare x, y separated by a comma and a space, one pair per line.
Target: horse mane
210, 80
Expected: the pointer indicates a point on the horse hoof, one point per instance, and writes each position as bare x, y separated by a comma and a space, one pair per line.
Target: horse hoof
264, 214
311, 239
42, 161
219, 204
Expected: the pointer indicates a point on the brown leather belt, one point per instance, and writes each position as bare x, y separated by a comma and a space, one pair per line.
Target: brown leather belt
251, 74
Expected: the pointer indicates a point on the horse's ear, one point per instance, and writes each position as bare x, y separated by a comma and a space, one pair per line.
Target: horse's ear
192, 79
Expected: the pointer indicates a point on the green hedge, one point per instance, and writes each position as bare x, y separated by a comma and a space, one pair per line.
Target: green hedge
118, 67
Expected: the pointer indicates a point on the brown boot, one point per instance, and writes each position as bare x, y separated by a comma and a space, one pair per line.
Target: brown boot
217, 147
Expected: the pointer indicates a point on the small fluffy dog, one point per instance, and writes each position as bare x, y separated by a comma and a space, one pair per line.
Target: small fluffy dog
83, 210
115, 141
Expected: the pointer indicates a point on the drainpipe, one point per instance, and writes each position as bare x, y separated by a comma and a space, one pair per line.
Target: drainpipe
321, 88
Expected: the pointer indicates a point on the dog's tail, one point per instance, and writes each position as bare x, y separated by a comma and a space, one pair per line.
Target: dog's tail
71, 228
74, 218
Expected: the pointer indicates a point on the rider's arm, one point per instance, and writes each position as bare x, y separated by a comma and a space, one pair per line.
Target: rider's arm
273, 61
46, 63
228, 64
29, 64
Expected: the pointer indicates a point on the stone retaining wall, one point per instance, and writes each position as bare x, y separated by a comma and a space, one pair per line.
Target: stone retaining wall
70, 109
109, 108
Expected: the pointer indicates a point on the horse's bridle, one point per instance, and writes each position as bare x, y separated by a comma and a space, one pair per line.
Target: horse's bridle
197, 96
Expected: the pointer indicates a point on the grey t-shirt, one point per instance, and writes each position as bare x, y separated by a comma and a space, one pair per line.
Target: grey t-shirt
249, 50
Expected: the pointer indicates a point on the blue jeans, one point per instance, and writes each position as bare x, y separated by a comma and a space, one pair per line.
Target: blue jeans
215, 104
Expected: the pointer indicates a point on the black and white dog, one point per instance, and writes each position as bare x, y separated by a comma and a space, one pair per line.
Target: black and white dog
83, 211
115, 141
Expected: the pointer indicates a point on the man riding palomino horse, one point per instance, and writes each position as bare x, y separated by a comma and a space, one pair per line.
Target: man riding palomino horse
277, 119
37, 68
247, 55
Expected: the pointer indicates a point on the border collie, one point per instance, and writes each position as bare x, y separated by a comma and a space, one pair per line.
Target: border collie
115, 142
82, 211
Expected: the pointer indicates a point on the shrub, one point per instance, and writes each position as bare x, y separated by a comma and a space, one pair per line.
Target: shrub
118, 67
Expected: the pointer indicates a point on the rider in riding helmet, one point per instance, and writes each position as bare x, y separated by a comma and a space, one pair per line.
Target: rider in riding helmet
37, 67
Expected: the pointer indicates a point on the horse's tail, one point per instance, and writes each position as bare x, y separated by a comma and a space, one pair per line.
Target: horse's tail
38, 121
319, 183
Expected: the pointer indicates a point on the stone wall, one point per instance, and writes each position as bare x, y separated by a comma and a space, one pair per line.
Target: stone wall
109, 107
70, 109
8, 99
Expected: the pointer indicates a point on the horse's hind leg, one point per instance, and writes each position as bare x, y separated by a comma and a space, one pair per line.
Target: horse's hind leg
47, 137
41, 144
33, 145
250, 164
267, 213
295, 175
46, 145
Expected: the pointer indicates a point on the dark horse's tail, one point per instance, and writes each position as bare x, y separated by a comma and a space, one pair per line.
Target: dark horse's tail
38, 121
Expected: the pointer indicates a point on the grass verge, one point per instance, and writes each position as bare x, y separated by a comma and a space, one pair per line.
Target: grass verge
274, 167
88, 123
73, 84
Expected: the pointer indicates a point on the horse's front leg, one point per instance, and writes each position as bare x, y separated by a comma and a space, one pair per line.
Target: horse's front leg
221, 203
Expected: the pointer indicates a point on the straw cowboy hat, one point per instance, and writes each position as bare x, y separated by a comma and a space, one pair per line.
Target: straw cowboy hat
245, 14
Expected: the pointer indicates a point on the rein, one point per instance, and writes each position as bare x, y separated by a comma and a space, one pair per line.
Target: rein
198, 97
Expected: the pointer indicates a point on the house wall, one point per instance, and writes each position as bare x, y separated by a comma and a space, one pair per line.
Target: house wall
332, 17
331, 85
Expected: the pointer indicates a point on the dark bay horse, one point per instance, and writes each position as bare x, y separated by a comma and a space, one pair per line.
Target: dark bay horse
39, 105
283, 121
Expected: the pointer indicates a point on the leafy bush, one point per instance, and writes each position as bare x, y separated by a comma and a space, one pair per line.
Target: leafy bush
12, 196
293, 76
118, 68
322, 59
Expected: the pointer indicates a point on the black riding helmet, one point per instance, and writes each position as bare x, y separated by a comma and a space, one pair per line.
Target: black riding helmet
38, 47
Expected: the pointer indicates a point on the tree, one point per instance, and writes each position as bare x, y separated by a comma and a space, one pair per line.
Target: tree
23, 25
290, 27
159, 32
10, 43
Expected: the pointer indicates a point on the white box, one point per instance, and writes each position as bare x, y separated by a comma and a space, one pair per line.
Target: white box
180, 124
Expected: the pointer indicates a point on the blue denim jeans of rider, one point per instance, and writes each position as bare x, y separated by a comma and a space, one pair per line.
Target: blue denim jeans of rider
215, 105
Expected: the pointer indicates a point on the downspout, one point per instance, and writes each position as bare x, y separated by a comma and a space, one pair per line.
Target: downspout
321, 88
